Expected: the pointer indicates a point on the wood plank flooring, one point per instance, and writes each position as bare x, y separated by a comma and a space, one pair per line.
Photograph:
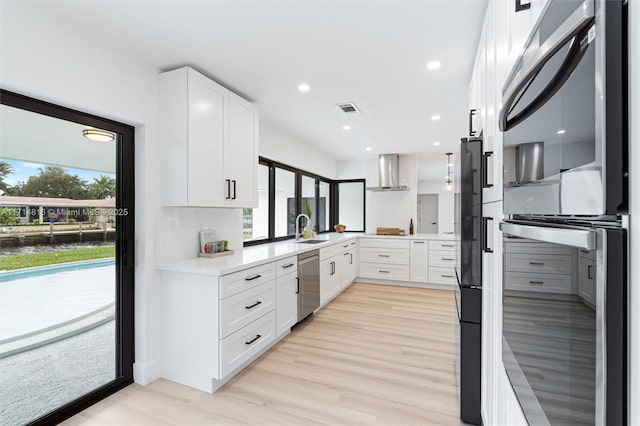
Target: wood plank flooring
374, 355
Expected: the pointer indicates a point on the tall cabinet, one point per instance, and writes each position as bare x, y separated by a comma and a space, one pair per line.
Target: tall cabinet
208, 143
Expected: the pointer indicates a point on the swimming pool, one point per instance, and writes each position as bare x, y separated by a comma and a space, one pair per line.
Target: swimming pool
36, 298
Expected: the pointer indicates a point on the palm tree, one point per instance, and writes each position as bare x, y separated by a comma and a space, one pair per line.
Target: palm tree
5, 170
102, 188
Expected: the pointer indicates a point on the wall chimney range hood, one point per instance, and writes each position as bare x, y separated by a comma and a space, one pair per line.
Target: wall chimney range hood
388, 174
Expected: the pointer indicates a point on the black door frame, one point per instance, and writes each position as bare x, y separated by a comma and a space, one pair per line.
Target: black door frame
125, 237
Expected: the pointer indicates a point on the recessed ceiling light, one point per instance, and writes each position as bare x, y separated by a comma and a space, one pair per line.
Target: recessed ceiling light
435, 117
346, 127
434, 65
369, 149
436, 144
98, 135
304, 87
561, 131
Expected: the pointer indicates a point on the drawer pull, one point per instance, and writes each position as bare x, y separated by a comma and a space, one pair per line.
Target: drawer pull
590, 272
447, 258
418, 242
287, 266
447, 245
345, 246
353, 243
446, 276
384, 272
253, 340
383, 255
536, 282
536, 263
254, 305
253, 278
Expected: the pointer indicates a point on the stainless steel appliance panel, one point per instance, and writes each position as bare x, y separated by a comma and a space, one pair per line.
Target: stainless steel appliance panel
308, 283
567, 97
565, 352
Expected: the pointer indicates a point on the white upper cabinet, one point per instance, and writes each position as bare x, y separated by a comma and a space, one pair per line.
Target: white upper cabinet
242, 162
209, 143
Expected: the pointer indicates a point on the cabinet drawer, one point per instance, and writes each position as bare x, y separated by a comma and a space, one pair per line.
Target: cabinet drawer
286, 266
246, 342
391, 256
242, 308
242, 280
532, 247
542, 283
442, 276
384, 272
443, 245
538, 263
384, 243
333, 250
442, 259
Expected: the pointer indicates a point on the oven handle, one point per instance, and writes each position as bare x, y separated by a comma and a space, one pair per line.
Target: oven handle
585, 239
577, 22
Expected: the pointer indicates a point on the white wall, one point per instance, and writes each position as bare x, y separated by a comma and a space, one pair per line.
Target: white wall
634, 193
389, 209
445, 203
278, 145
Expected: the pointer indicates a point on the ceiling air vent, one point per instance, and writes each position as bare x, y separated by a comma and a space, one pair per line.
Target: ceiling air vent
349, 108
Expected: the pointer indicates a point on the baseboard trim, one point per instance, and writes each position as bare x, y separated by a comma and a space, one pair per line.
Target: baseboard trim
143, 374
405, 284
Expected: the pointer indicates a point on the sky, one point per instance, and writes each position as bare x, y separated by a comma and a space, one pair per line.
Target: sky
22, 170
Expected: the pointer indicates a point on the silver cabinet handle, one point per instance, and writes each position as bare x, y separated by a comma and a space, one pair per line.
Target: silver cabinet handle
536, 263
446, 276
418, 242
383, 272
536, 282
383, 255
447, 258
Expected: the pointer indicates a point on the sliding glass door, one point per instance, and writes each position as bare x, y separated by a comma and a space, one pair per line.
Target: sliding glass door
66, 259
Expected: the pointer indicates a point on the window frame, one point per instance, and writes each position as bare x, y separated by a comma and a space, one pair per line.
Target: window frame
299, 173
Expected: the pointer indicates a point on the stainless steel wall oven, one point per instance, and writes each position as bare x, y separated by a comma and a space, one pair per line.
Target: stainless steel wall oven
564, 119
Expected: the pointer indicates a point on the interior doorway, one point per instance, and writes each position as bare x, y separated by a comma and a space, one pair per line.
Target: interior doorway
428, 213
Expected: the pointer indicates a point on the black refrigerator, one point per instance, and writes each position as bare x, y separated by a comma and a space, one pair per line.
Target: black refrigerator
469, 228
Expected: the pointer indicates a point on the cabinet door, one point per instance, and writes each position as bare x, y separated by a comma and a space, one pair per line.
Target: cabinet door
586, 280
330, 279
348, 270
419, 261
207, 134
491, 311
242, 153
287, 303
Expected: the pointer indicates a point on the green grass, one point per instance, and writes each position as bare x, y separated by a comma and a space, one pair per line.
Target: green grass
41, 259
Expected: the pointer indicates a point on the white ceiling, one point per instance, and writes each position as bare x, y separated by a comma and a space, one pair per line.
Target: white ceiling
372, 52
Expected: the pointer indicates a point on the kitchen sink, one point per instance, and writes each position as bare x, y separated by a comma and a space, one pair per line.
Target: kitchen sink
311, 242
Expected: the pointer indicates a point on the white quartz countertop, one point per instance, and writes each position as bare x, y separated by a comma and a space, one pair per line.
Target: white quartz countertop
264, 253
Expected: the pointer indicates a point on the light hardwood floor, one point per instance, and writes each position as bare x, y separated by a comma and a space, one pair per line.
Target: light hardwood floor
375, 355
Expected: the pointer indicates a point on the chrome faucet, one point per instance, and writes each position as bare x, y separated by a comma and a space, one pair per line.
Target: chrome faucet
298, 224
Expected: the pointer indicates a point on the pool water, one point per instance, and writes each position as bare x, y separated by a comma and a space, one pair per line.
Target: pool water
36, 298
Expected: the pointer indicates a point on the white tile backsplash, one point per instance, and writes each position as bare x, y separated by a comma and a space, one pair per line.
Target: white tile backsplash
177, 230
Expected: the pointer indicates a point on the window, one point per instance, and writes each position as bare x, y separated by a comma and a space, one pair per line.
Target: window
285, 199
324, 197
351, 196
284, 192
255, 222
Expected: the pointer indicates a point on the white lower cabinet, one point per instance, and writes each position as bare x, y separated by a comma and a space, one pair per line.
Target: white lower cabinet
442, 257
385, 259
330, 279
213, 325
246, 342
287, 303
419, 271
245, 307
349, 264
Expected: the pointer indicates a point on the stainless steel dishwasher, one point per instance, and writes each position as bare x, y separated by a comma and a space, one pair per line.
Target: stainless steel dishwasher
308, 283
